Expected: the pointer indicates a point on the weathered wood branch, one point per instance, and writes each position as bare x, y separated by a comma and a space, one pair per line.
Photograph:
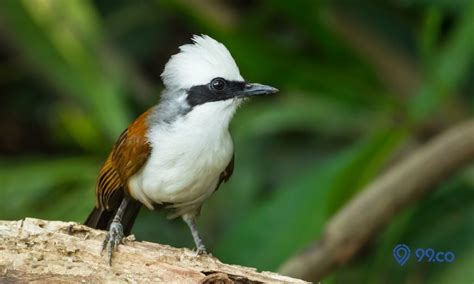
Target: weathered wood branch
375, 206
53, 251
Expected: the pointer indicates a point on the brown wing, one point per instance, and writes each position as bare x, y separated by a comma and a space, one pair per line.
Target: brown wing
227, 173
129, 154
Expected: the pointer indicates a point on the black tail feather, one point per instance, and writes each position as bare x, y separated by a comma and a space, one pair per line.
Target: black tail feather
101, 218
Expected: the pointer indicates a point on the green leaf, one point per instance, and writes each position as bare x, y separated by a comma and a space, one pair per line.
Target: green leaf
372, 157
62, 40
30, 185
450, 68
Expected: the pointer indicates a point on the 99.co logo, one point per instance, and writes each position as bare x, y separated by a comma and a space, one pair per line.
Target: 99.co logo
401, 254
431, 255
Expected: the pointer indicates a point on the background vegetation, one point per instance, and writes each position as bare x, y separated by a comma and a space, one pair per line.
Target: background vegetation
361, 85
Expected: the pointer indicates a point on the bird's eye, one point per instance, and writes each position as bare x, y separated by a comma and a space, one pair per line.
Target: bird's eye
218, 84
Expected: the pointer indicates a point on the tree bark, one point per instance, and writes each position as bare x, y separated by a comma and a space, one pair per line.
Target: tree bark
33, 250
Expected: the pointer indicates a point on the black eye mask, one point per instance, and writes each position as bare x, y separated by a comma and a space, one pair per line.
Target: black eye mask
218, 89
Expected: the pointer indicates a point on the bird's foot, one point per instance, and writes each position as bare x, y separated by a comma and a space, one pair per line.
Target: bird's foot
201, 250
113, 239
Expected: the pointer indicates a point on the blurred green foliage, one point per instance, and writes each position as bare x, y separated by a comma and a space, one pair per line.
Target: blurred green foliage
361, 84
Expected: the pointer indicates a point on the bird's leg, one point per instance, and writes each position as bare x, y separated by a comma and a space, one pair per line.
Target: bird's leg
190, 220
115, 234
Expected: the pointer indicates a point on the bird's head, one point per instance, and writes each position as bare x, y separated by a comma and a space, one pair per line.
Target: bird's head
204, 73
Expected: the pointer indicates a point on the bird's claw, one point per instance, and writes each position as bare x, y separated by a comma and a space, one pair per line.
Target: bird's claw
201, 250
112, 239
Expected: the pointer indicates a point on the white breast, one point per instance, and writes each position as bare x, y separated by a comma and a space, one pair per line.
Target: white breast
187, 159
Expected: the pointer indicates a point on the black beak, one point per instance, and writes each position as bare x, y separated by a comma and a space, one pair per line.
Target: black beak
256, 90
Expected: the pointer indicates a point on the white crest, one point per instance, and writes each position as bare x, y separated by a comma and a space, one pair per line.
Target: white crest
199, 63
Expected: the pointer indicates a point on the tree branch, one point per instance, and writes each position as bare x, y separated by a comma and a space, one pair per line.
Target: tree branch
54, 251
373, 208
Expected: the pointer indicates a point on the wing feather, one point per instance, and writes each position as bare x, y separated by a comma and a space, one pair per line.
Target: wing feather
128, 156
227, 173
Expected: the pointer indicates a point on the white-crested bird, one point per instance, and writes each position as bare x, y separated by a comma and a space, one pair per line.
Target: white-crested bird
176, 154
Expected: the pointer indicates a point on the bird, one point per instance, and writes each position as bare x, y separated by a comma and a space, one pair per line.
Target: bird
175, 155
